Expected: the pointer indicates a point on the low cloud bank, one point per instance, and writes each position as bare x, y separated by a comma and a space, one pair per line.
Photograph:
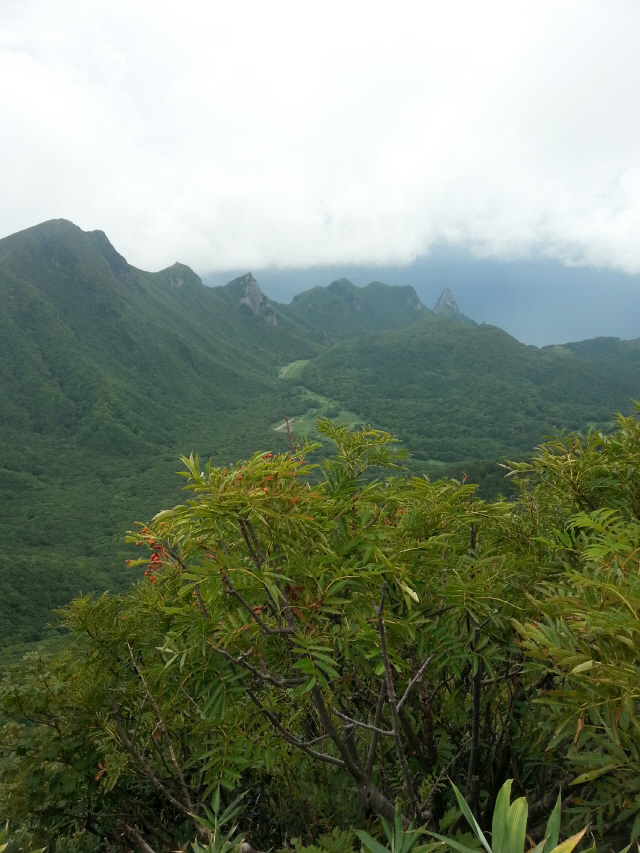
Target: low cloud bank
252, 135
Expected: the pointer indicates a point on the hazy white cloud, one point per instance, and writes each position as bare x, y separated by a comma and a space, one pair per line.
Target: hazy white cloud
248, 134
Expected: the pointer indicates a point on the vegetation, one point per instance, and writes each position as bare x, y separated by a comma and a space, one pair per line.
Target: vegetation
342, 311
509, 827
336, 651
454, 392
108, 373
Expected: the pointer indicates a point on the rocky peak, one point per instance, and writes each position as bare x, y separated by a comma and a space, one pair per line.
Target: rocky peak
448, 306
249, 294
180, 277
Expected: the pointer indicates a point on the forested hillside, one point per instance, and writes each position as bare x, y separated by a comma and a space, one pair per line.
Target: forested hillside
310, 651
341, 310
109, 373
455, 392
604, 350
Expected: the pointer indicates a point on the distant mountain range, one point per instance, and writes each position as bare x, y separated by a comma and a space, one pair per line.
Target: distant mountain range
538, 300
108, 373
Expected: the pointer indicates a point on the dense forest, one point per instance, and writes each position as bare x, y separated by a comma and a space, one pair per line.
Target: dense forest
394, 589
109, 373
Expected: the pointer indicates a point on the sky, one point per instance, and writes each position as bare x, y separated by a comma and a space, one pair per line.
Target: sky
287, 135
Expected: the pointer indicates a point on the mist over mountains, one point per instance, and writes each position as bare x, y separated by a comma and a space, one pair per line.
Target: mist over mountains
108, 373
539, 301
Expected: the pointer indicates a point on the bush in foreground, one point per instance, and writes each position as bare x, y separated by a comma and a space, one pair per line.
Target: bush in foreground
338, 650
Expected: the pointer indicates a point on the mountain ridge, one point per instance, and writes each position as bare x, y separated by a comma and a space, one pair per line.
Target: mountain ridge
342, 310
108, 373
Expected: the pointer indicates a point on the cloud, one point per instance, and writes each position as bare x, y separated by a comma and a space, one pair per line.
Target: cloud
286, 134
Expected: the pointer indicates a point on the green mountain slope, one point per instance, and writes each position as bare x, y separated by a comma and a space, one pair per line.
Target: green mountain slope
609, 350
342, 310
454, 392
107, 374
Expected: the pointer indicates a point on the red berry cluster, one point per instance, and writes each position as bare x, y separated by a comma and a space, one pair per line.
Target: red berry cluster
155, 561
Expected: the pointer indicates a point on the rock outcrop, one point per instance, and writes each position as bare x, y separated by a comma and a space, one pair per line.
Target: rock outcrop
245, 289
448, 306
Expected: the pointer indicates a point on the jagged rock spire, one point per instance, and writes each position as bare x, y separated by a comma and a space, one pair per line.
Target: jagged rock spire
446, 303
254, 298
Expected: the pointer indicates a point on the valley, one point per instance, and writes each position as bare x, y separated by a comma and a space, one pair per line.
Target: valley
109, 373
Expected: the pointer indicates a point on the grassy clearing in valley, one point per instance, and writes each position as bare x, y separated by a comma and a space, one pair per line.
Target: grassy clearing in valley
294, 369
315, 406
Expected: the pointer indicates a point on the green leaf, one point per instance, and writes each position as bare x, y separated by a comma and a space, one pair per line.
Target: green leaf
410, 592
517, 824
553, 826
466, 811
397, 824
370, 843
455, 844
583, 667
594, 774
499, 822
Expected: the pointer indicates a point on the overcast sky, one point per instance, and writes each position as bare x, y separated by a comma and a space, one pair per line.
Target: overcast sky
255, 134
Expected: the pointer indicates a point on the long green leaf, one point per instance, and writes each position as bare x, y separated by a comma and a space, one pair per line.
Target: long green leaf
455, 844
370, 843
553, 826
499, 822
466, 811
594, 774
387, 831
517, 825
398, 835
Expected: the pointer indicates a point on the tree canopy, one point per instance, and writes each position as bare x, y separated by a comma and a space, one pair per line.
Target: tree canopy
338, 644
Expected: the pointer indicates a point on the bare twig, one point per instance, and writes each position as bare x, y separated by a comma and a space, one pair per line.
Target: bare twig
157, 784
371, 795
190, 699
291, 738
165, 733
415, 679
203, 609
391, 692
474, 755
287, 426
352, 765
251, 610
134, 834
439, 778
256, 543
360, 725
263, 675
488, 682
376, 721
257, 558
135, 731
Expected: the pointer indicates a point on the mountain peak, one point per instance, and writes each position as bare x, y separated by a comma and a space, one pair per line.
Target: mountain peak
446, 303
119, 266
448, 306
245, 291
